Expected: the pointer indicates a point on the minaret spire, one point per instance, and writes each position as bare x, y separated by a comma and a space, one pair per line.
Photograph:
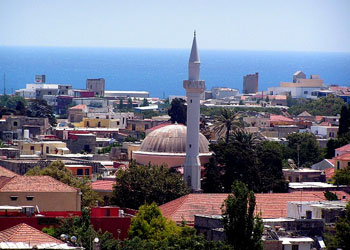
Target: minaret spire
194, 87
194, 61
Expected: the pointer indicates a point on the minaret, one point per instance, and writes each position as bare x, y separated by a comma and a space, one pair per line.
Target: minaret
194, 87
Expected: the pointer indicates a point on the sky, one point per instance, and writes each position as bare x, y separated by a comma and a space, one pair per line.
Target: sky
282, 25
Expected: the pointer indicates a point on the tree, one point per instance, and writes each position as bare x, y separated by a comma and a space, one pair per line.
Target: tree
342, 176
344, 121
58, 171
330, 196
40, 108
212, 182
130, 104
146, 184
150, 230
81, 228
226, 122
341, 240
303, 148
245, 158
121, 104
178, 111
243, 229
144, 103
329, 105
149, 224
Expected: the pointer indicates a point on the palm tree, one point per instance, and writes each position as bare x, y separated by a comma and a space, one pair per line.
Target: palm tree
226, 122
243, 137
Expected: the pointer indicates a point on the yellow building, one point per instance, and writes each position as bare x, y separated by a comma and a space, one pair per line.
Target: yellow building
98, 123
342, 161
43, 147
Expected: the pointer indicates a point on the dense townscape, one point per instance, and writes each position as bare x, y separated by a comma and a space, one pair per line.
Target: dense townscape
215, 169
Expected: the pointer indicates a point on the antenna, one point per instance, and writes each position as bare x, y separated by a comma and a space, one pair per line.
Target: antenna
4, 83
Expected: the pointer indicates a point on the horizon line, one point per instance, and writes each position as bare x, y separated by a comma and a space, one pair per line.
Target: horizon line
163, 48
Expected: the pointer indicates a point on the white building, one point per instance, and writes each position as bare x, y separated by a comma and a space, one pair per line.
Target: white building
125, 94
300, 87
222, 93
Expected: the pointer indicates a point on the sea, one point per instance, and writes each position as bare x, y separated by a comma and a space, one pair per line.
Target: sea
161, 71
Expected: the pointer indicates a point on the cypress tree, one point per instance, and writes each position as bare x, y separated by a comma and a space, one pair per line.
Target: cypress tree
344, 121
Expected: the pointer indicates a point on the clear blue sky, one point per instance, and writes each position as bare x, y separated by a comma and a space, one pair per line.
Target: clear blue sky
303, 25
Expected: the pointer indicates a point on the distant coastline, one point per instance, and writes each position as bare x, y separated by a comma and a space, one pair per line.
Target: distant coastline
161, 71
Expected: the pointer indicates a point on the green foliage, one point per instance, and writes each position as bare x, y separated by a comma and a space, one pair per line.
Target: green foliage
226, 122
333, 144
243, 229
150, 230
49, 230
40, 108
108, 148
148, 114
144, 103
245, 158
306, 145
81, 228
330, 105
214, 111
341, 240
121, 104
130, 138
11, 102
344, 121
342, 176
58, 171
129, 106
146, 184
330, 196
178, 111
149, 224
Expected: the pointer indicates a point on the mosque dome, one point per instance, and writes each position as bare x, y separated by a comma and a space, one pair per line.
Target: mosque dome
171, 139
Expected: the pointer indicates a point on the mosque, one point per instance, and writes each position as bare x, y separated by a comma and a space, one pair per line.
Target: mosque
177, 145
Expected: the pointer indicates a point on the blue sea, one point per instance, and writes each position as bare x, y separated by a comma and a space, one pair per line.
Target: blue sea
161, 71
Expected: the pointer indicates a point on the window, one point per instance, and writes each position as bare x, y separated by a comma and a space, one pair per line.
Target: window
15, 124
133, 127
87, 171
13, 198
47, 150
99, 124
31, 147
306, 92
295, 247
30, 198
146, 126
87, 124
338, 164
80, 172
118, 123
49, 93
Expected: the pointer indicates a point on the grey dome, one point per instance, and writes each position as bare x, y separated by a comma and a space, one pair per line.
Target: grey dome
171, 139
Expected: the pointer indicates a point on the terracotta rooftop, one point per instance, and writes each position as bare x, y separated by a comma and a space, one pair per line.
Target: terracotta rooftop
329, 172
33, 184
272, 205
80, 106
103, 185
305, 113
279, 118
343, 157
26, 234
6, 172
344, 148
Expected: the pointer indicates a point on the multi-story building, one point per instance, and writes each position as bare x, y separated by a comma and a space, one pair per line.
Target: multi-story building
96, 85
250, 83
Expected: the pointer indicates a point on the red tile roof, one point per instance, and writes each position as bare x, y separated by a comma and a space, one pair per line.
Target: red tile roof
80, 106
280, 118
103, 185
329, 173
343, 157
344, 148
33, 184
270, 205
26, 234
6, 172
